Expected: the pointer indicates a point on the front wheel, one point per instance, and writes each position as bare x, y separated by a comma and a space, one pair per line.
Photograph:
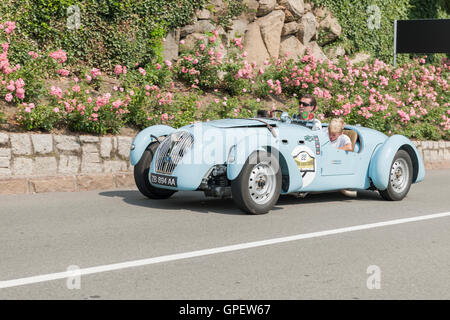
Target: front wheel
400, 177
258, 186
141, 171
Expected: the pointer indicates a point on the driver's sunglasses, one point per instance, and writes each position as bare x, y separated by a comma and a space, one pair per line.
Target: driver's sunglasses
306, 104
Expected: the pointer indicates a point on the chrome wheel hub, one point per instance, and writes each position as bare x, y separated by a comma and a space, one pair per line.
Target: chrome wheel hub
262, 182
399, 175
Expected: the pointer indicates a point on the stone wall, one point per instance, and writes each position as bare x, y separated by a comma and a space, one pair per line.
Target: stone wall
46, 162
32, 163
436, 154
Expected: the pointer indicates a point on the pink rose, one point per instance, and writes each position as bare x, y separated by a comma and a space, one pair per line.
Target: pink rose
63, 72
118, 69
95, 72
33, 55
59, 56
168, 63
20, 93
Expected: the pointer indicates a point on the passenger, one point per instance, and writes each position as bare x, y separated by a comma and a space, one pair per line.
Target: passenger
337, 137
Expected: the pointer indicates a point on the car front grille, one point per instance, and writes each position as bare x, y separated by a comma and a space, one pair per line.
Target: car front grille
172, 150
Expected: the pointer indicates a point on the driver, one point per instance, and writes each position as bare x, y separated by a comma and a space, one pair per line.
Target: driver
308, 105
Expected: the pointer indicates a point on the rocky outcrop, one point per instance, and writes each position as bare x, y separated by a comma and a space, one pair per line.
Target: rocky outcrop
360, 57
316, 50
335, 52
191, 40
171, 45
203, 26
249, 14
330, 29
269, 29
292, 48
296, 7
307, 28
290, 28
265, 7
271, 26
254, 44
237, 30
204, 14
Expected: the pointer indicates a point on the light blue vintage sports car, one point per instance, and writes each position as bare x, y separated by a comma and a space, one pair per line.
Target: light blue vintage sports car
255, 160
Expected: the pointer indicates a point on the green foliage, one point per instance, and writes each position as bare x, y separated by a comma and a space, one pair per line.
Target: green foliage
152, 107
110, 32
358, 17
41, 117
106, 122
151, 74
233, 9
184, 110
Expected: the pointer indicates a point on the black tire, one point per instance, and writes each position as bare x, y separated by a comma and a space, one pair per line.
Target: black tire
400, 177
241, 188
141, 170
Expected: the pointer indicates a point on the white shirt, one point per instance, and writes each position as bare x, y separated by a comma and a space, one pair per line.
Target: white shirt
341, 141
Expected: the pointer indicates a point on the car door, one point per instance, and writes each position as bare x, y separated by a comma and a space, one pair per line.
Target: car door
335, 162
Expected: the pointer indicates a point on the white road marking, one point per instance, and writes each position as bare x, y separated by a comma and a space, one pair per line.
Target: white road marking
205, 252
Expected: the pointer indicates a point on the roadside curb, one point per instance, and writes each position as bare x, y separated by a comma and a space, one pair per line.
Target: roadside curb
70, 183
437, 165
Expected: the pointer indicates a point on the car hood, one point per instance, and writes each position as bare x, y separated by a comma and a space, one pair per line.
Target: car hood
236, 123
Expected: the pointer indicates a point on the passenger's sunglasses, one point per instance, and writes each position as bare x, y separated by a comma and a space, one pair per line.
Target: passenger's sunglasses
306, 104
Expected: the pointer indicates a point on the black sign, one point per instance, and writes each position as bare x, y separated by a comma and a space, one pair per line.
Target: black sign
164, 180
423, 36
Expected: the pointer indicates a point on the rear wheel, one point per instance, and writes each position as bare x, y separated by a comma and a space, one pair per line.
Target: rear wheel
258, 186
141, 172
400, 177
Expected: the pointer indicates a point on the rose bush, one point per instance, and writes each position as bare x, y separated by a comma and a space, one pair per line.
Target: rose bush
412, 99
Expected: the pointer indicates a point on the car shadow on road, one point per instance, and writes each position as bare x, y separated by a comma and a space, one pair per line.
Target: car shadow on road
331, 196
185, 200
197, 202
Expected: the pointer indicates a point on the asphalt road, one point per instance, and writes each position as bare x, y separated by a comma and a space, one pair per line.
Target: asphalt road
44, 234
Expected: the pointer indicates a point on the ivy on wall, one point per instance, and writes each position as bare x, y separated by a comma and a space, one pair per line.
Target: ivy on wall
368, 25
107, 32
